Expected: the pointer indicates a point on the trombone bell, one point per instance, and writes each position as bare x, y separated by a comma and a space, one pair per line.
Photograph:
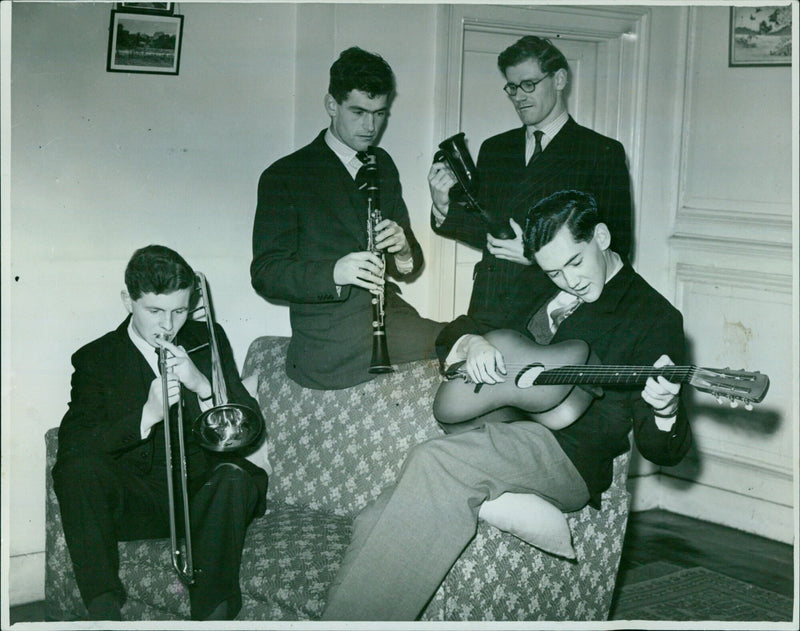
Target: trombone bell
227, 427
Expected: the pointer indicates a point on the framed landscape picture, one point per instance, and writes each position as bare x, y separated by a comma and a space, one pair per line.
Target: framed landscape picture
147, 7
761, 36
142, 42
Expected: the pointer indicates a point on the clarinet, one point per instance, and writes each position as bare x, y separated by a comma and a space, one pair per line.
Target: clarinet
380, 353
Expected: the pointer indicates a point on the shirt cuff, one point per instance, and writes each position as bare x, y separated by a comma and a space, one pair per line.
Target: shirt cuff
457, 353
205, 404
144, 433
405, 265
438, 216
665, 424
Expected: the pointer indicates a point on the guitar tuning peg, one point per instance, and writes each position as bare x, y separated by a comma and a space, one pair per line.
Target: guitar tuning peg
748, 406
734, 403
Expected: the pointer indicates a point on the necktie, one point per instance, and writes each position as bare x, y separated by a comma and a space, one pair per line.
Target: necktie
537, 150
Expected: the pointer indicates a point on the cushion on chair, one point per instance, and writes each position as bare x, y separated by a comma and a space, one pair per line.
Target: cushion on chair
531, 518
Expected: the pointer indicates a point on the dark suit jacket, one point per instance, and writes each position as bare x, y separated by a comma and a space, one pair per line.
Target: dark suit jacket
309, 215
577, 158
630, 324
110, 385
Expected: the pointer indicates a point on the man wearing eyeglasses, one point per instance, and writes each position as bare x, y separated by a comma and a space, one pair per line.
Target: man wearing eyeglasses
519, 167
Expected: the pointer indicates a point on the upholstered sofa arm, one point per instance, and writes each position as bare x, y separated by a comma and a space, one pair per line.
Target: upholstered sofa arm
335, 450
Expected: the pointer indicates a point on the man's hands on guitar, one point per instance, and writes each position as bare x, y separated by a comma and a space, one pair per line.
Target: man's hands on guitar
661, 394
484, 363
508, 249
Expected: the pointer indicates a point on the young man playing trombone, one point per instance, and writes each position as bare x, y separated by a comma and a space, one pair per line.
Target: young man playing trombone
112, 467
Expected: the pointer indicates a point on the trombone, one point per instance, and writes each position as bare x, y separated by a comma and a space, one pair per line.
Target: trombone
225, 427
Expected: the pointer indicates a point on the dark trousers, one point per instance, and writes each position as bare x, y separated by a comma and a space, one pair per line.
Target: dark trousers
103, 502
409, 336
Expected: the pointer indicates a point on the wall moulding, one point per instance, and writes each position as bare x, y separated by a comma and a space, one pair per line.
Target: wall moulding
741, 278
745, 221
732, 253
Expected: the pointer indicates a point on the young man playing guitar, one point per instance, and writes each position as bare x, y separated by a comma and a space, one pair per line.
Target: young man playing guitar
405, 543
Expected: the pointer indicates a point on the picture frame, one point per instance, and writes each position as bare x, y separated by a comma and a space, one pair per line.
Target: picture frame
164, 8
144, 43
760, 36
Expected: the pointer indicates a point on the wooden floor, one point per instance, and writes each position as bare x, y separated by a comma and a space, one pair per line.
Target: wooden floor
654, 536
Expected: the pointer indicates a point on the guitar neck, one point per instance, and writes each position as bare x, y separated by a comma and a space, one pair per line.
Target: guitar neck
612, 375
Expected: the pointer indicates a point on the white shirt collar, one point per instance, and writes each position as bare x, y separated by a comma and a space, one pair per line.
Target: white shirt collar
346, 154
342, 151
147, 351
550, 130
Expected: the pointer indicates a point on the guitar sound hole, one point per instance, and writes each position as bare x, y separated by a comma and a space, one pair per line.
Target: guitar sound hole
527, 376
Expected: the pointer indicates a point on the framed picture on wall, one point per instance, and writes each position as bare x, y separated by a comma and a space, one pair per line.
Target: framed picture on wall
761, 36
143, 42
147, 7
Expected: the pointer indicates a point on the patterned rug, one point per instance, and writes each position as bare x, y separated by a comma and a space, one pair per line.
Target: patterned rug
698, 594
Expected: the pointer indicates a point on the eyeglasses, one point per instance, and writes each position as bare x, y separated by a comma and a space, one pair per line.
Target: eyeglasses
528, 85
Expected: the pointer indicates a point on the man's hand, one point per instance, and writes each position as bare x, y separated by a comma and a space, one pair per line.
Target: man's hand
182, 367
153, 411
508, 249
661, 394
484, 363
391, 237
440, 181
362, 269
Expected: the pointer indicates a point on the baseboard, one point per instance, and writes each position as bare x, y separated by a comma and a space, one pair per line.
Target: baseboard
25, 578
717, 506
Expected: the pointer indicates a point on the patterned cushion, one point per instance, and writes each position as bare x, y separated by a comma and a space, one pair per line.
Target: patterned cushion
298, 554
332, 452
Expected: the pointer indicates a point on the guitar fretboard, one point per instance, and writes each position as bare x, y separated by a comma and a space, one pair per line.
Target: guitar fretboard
611, 375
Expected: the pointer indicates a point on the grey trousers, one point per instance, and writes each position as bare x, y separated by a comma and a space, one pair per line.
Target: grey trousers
404, 543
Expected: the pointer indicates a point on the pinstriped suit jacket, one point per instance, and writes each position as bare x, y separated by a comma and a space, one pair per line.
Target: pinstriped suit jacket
577, 158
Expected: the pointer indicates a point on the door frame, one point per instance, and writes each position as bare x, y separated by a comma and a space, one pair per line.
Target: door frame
622, 34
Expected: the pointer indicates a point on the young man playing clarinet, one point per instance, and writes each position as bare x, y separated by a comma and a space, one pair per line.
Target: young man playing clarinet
405, 543
311, 235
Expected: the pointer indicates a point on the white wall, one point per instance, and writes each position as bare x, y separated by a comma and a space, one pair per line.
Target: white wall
716, 230
103, 163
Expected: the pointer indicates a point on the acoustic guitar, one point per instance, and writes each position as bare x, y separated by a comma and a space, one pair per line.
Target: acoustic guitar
555, 384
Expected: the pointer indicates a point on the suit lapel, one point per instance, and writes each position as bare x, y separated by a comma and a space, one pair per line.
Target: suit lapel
346, 202
134, 373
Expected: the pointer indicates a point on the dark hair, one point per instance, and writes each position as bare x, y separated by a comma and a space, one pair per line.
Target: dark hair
539, 49
356, 69
576, 210
155, 269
